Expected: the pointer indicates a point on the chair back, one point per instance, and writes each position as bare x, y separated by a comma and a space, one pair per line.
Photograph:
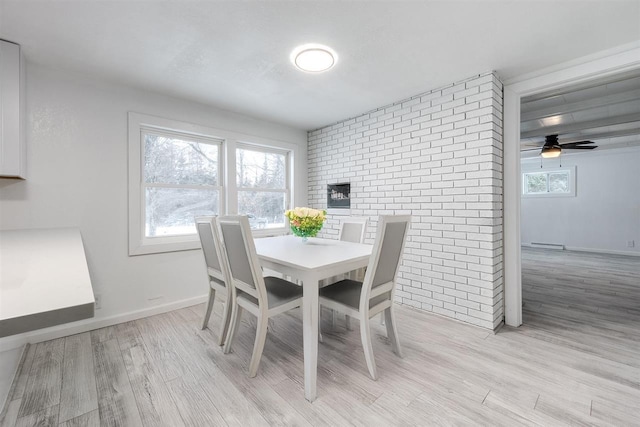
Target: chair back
214, 256
382, 270
352, 229
244, 265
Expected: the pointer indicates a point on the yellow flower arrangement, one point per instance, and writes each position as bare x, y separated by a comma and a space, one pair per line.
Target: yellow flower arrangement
305, 222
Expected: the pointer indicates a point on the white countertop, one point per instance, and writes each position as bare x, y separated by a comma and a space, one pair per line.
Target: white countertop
43, 270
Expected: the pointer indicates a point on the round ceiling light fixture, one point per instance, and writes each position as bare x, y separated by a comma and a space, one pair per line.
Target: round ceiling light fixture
314, 58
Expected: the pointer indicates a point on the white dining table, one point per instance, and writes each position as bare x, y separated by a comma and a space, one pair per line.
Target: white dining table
310, 262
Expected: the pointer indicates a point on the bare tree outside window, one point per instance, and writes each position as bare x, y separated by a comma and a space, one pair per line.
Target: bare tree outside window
535, 183
181, 180
558, 182
261, 178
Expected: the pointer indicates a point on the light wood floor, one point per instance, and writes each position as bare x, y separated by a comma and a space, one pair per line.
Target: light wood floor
576, 361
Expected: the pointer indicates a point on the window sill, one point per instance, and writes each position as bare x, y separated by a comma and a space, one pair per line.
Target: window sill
187, 243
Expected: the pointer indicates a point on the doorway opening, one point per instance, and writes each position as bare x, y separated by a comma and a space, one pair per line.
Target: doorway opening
580, 147
584, 71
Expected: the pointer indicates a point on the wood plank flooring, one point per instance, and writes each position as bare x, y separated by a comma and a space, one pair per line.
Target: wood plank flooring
575, 361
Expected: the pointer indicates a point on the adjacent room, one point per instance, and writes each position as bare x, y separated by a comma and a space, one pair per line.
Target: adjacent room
580, 215
319, 213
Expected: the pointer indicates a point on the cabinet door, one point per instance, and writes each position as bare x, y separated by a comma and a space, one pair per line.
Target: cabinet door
12, 153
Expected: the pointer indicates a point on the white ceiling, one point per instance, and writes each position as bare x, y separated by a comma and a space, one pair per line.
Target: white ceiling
605, 111
235, 55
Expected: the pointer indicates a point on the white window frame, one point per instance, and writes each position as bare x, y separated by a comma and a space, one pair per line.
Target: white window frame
138, 244
571, 170
139, 125
287, 190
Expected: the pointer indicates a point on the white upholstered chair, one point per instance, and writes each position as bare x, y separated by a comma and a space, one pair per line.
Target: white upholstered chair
217, 271
352, 229
374, 295
264, 297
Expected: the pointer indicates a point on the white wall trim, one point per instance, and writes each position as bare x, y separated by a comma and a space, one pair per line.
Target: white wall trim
592, 65
601, 251
512, 187
591, 250
601, 64
13, 342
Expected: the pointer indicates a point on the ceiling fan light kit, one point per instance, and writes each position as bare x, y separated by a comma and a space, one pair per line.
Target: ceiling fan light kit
550, 152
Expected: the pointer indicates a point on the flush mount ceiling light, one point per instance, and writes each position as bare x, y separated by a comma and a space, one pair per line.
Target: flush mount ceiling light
313, 58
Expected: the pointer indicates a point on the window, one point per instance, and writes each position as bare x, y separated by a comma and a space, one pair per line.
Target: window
180, 170
174, 175
262, 181
554, 183
181, 181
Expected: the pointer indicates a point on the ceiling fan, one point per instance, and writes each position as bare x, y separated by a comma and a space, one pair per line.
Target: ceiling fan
552, 148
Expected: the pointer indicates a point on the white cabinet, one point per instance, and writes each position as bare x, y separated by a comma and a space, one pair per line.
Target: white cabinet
12, 145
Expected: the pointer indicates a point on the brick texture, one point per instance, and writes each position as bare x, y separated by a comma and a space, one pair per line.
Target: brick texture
438, 157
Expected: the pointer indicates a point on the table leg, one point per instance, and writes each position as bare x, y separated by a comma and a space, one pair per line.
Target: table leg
310, 335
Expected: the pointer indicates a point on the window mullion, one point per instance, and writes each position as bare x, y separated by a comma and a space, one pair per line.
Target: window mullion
548, 178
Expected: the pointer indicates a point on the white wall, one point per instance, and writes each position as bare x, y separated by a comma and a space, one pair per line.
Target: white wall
438, 157
77, 176
604, 215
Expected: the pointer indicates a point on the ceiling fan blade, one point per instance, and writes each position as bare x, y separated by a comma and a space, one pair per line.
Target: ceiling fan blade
573, 145
576, 143
531, 149
580, 147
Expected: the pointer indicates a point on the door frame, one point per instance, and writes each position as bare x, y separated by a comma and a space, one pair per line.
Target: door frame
599, 65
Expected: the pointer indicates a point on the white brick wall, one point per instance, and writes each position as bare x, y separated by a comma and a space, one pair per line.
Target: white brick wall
438, 157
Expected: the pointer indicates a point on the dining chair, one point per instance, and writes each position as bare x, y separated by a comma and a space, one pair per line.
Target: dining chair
264, 297
352, 229
217, 271
374, 295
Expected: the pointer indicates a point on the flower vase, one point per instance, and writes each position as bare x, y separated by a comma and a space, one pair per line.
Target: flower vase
305, 239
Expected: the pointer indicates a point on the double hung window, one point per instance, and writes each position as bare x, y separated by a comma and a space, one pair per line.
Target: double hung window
181, 180
262, 182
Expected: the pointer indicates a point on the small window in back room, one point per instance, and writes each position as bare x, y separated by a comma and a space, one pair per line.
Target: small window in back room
549, 183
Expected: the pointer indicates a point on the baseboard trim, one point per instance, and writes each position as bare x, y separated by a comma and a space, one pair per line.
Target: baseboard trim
592, 250
33, 337
554, 246
602, 251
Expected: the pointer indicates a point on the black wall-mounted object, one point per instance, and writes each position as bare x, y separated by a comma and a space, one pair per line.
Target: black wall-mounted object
339, 196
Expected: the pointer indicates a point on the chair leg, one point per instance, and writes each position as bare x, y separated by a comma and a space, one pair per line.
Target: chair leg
365, 334
320, 339
236, 317
392, 331
258, 346
226, 321
347, 321
207, 313
382, 319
